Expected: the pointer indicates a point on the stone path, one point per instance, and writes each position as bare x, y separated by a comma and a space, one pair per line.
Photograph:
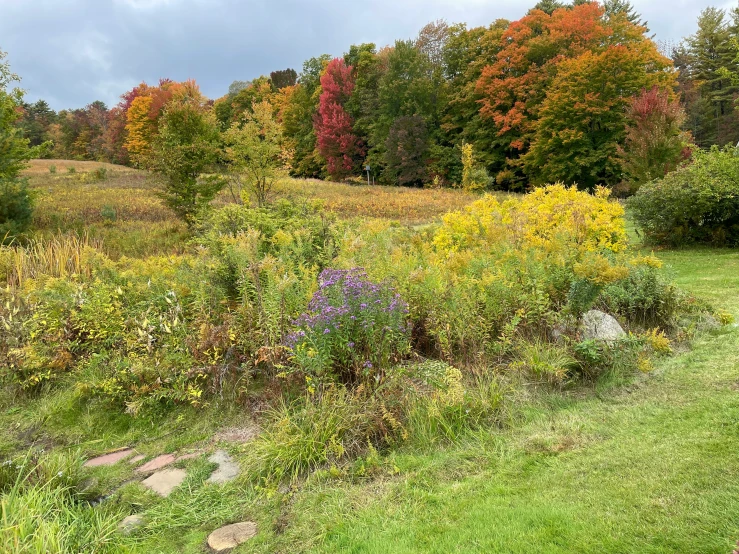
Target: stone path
228, 470
110, 458
165, 481
232, 535
157, 463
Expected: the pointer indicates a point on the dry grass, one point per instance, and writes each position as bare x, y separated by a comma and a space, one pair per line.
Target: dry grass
60, 256
66, 199
411, 206
124, 211
41, 167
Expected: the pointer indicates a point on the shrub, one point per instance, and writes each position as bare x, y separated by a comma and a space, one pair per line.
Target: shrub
644, 298
16, 208
354, 329
52, 169
696, 203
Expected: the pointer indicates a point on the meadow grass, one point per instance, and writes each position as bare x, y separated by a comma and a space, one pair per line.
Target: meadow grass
649, 467
124, 212
646, 467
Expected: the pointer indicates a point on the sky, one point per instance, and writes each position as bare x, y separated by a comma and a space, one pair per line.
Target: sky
73, 52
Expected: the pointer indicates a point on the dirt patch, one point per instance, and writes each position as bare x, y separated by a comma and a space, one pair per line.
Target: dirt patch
241, 434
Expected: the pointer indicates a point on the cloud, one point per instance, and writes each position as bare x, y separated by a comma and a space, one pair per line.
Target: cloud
72, 52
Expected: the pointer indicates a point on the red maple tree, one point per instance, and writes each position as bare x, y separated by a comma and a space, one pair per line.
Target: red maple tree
337, 142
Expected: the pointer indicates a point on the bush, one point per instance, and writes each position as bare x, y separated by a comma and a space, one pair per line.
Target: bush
696, 203
354, 329
644, 298
16, 208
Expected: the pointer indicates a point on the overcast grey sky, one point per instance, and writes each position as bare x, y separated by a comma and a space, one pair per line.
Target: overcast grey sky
72, 52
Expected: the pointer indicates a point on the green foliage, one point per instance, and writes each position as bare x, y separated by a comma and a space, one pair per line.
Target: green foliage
43, 509
696, 203
544, 362
186, 146
16, 206
407, 88
645, 298
255, 149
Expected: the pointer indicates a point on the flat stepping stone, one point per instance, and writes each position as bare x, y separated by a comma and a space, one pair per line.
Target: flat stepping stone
110, 458
165, 481
129, 524
231, 536
136, 459
228, 470
157, 463
188, 456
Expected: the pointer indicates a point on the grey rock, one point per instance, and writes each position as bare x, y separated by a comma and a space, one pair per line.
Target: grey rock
129, 524
231, 536
165, 481
228, 470
601, 326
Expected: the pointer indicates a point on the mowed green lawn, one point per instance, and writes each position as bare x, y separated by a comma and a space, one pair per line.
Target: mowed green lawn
652, 467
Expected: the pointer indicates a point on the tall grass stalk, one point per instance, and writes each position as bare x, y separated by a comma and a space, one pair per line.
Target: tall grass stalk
60, 256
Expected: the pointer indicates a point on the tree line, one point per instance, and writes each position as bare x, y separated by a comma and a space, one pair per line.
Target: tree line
577, 93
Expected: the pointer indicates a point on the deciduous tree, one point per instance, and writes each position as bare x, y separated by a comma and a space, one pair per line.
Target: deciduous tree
186, 146
334, 127
655, 143
255, 150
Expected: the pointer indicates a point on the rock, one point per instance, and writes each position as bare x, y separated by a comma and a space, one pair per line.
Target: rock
129, 524
136, 459
165, 481
601, 326
109, 459
228, 470
157, 463
188, 456
231, 536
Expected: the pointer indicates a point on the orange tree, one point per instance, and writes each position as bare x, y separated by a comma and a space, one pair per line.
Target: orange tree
576, 64
583, 118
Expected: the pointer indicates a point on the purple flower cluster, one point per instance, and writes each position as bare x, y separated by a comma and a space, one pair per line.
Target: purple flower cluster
352, 324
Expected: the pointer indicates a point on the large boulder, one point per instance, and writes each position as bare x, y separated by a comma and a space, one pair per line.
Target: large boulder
600, 326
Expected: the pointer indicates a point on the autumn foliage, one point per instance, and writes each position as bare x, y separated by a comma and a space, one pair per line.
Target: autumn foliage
557, 95
337, 142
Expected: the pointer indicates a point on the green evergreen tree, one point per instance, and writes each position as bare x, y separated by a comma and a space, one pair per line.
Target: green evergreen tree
16, 206
706, 61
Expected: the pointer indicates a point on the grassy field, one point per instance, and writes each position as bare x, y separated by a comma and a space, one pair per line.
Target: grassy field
119, 205
642, 464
